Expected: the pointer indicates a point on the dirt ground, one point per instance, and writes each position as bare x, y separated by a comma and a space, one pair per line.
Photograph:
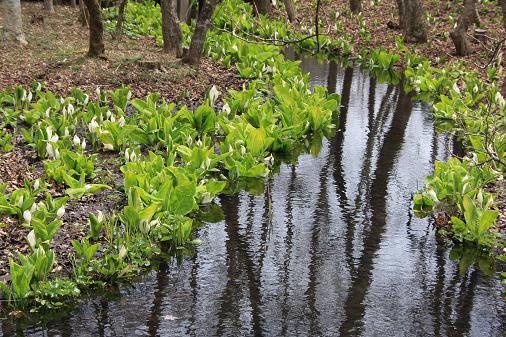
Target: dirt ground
56, 55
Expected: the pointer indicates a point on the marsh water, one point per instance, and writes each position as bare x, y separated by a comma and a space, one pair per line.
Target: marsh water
328, 248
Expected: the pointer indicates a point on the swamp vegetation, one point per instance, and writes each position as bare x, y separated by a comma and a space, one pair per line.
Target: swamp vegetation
325, 171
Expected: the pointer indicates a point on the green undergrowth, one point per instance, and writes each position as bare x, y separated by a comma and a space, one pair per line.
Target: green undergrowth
174, 162
464, 104
475, 112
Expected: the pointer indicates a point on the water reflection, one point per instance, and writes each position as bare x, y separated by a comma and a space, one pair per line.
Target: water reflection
330, 247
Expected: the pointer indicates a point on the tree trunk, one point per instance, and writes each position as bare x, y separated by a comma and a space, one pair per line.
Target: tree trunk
400, 7
194, 8
199, 36
262, 6
476, 15
356, 6
84, 16
415, 23
97, 48
73, 3
291, 10
171, 31
459, 35
121, 17
13, 23
192, 12
48, 6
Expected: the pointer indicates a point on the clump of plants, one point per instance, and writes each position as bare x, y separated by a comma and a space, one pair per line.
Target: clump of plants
175, 161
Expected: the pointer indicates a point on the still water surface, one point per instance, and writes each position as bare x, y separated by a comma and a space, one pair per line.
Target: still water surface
330, 248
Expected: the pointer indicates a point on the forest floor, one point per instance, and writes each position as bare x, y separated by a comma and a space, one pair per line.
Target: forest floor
56, 55
379, 23
22, 163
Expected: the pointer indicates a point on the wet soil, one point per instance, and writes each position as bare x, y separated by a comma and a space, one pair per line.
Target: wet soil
22, 164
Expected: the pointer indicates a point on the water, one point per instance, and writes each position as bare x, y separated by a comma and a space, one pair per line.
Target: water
330, 248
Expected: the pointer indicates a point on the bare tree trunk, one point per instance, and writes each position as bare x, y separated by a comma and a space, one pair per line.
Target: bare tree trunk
194, 8
459, 35
84, 16
476, 15
415, 23
356, 6
199, 36
48, 6
121, 17
262, 6
192, 12
73, 3
13, 23
171, 31
291, 10
400, 7
97, 48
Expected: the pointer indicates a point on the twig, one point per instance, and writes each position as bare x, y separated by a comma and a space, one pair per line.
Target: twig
495, 53
270, 41
481, 42
317, 24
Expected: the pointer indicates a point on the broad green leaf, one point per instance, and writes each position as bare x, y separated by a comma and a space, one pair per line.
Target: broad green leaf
182, 199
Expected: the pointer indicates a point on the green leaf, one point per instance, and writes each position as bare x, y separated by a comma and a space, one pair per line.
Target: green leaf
131, 217
487, 220
21, 277
182, 199
214, 187
284, 95
147, 213
258, 141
